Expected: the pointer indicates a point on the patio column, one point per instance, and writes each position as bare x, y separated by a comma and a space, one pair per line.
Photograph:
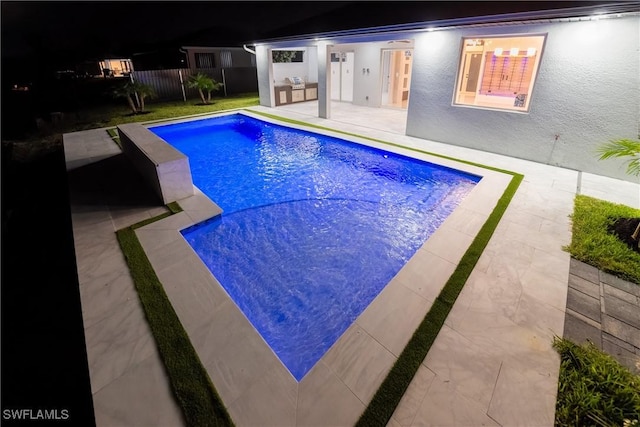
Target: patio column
265, 76
324, 81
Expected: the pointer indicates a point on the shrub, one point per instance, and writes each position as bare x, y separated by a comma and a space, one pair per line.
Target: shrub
594, 389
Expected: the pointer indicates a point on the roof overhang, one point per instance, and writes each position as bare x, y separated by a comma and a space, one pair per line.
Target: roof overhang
210, 47
584, 13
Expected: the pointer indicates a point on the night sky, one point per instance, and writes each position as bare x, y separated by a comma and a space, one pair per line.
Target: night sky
96, 28
93, 29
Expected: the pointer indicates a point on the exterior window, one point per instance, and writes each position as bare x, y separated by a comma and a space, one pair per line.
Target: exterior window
125, 67
204, 60
287, 56
225, 59
498, 72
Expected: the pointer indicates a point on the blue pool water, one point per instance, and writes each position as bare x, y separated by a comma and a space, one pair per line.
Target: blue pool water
313, 227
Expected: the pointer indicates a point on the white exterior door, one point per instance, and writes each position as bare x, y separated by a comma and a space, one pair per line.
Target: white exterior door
342, 65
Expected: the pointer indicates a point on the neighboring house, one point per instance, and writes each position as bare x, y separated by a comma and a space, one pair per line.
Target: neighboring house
94, 68
194, 57
168, 70
218, 57
116, 67
548, 86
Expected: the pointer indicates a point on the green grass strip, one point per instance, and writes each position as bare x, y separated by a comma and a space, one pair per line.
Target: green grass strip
388, 396
192, 387
174, 207
113, 133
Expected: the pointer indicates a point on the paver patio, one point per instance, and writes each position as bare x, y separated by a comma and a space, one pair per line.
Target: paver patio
604, 310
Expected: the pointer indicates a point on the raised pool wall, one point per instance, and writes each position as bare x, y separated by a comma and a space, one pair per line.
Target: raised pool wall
587, 90
163, 167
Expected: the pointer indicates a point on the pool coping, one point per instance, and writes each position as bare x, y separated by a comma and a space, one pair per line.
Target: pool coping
253, 384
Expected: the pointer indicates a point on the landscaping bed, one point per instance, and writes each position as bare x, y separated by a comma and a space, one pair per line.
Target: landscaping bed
594, 242
594, 389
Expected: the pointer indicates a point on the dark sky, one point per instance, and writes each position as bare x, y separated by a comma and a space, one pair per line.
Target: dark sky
91, 29
122, 27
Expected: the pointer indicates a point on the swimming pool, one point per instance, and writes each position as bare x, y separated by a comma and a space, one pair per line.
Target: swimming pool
313, 228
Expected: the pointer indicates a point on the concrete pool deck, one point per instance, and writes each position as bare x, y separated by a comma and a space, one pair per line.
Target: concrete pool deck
492, 362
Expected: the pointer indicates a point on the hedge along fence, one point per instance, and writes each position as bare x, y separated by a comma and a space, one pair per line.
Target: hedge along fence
171, 85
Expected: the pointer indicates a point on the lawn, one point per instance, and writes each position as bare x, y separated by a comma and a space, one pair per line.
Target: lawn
109, 117
48, 138
592, 244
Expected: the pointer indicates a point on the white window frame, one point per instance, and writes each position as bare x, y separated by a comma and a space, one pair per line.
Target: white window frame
500, 101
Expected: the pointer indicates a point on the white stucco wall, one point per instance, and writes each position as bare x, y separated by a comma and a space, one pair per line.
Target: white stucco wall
587, 92
312, 58
307, 69
289, 69
367, 55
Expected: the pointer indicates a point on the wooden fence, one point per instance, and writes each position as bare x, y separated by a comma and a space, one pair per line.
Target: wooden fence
171, 85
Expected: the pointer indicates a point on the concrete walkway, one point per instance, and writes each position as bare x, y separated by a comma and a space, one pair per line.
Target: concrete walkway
491, 364
128, 382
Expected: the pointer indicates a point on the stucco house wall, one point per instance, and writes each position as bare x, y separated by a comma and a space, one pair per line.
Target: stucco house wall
587, 92
367, 85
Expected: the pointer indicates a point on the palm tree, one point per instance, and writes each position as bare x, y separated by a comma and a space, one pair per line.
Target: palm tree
126, 91
137, 90
623, 148
203, 83
143, 91
627, 229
